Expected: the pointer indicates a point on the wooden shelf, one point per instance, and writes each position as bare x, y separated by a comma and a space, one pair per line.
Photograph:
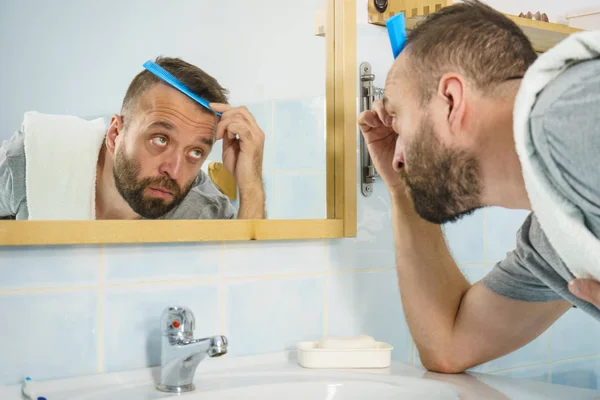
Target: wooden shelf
543, 35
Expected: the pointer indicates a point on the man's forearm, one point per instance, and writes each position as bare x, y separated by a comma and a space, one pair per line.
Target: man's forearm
252, 203
431, 285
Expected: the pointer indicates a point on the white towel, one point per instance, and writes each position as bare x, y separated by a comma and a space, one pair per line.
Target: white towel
562, 222
61, 156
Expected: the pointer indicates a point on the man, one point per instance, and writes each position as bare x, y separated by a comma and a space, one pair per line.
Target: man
442, 141
148, 165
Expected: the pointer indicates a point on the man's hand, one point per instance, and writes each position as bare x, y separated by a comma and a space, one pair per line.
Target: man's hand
586, 289
243, 146
376, 127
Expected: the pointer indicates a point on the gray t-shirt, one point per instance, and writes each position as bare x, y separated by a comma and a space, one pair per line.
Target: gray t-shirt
204, 201
565, 125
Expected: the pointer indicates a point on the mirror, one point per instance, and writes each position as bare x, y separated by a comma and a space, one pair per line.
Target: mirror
99, 145
89, 133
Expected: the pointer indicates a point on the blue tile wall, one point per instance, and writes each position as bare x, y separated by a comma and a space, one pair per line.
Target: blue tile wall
501, 232
55, 335
131, 317
272, 315
580, 373
368, 303
40, 267
174, 261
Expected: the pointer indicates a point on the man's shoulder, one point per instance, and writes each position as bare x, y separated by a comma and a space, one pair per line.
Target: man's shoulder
15, 146
204, 201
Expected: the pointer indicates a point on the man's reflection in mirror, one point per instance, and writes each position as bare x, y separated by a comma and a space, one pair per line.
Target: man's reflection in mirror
147, 163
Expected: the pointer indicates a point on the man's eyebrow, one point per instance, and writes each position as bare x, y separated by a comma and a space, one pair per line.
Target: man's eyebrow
162, 124
209, 141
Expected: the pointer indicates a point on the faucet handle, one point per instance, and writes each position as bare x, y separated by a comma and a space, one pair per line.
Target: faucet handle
177, 319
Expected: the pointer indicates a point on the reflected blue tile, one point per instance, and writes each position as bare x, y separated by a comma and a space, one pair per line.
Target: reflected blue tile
579, 373
535, 352
54, 336
373, 246
299, 127
268, 183
132, 335
575, 334
154, 262
263, 114
502, 227
368, 303
49, 266
273, 258
540, 373
299, 196
465, 238
265, 316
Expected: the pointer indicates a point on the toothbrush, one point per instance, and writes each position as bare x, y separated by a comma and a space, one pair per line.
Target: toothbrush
396, 27
176, 83
28, 390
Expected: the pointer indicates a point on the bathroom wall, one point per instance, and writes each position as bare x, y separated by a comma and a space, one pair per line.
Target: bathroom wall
79, 310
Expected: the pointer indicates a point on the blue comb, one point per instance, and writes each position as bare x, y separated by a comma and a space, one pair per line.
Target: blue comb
171, 80
396, 27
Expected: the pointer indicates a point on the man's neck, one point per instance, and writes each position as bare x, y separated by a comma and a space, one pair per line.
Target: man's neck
109, 203
502, 175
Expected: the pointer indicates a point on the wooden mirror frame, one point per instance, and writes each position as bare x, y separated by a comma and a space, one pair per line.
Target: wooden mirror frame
340, 35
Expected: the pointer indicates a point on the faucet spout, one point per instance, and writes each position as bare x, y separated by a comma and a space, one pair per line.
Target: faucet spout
181, 353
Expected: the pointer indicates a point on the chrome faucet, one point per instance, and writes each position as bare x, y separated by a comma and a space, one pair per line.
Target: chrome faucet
181, 353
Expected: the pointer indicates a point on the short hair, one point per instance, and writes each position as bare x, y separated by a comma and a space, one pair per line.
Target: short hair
469, 38
198, 81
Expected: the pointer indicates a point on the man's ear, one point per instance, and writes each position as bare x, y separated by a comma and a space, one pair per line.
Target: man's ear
115, 130
452, 90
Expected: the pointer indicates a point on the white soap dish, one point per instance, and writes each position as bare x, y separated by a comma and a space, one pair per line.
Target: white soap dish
345, 352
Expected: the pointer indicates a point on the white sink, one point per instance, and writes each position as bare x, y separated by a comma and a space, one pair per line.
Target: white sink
274, 377
340, 390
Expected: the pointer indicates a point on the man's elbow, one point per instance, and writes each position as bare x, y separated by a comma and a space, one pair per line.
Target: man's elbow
444, 364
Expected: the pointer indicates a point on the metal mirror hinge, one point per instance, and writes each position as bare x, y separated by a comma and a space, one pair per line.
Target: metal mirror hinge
368, 94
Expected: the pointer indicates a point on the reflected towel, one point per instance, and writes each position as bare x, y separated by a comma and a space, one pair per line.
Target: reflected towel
61, 155
562, 221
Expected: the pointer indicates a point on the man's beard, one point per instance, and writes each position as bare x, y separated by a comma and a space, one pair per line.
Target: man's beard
126, 171
444, 183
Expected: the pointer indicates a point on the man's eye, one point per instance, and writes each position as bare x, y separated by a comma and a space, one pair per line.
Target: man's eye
160, 141
196, 154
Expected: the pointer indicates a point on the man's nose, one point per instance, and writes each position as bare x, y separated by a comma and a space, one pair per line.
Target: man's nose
172, 166
398, 162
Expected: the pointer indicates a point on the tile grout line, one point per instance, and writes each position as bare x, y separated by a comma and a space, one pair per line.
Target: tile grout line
208, 280
567, 360
100, 309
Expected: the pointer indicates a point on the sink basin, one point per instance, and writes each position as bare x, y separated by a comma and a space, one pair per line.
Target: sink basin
341, 390
275, 377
